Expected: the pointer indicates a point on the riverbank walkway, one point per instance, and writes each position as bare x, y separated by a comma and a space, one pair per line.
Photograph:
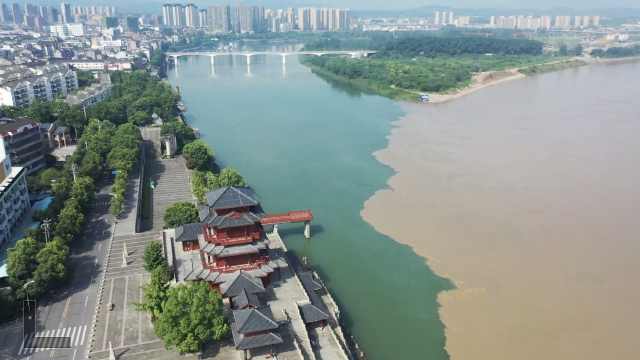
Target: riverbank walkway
129, 331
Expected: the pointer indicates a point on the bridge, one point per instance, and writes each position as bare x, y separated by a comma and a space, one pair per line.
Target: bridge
298, 216
249, 54
354, 54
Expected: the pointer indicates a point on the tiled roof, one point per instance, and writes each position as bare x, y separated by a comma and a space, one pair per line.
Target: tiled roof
312, 314
231, 197
243, 342
241, 282
234, 219
188, 232
252, 320
245, 300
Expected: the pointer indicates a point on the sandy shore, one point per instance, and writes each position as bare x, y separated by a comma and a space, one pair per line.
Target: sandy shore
479, 81
534, 225
486, 79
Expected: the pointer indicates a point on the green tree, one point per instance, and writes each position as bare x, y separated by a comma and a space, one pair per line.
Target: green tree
198, 155
91, 164
153, 256
180, 213
70, 220
21, 263
155, 292
230, 177
52, 264
140, 118
191, 316
83, 191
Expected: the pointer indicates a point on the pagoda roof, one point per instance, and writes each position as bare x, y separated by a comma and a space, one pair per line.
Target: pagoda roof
253, 320
245, 300
188, 232
233, 219
243, 342
311, 313
233, 250
241, 282
231, 197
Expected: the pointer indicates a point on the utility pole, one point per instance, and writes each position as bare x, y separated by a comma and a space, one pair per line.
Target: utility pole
46, 227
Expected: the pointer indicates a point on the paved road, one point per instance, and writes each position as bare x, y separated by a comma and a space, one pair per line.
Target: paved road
67, 315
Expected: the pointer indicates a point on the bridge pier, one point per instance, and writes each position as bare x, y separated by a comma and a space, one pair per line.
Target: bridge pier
248, 56
213, 64
307, 229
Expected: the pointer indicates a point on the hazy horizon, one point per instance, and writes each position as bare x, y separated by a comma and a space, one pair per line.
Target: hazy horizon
397, 5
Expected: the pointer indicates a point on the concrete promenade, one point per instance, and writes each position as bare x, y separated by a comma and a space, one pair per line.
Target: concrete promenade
128, 330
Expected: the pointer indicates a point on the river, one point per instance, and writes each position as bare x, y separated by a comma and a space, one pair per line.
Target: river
524, 195
302, 143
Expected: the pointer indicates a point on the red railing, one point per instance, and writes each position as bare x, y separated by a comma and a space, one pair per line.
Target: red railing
288, 217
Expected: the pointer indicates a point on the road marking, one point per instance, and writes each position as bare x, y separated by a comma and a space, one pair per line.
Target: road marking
106, 323
124, 310
86, 300
56, 338
140, 283
75, 352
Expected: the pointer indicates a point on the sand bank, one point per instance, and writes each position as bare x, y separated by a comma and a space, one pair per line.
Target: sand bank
525, 196
478, 82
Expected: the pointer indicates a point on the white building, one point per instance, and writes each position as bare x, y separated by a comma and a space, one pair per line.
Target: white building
14, 195
91, 95
67, 30
21, 85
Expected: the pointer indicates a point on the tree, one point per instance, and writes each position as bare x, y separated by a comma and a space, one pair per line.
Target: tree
91, 164
21, 263
230, 177
191, 316
153, 256
180, 214
70, 220
197, 154
52, 264
155, 292
140, 118
83, 191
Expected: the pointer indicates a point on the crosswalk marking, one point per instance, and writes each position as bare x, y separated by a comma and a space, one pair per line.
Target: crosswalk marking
69, 337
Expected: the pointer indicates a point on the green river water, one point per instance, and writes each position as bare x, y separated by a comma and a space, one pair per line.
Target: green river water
302, 143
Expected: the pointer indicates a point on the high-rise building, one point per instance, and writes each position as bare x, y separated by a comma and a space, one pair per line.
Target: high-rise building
16, 10
191, 16
304, 19
65, 13
563, 22
219, 19
167, 13
6, 17
202, 18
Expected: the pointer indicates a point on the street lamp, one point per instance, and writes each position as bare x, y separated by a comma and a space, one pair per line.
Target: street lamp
24, 287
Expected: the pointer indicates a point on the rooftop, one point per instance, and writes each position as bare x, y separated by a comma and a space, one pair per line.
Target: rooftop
231, 197
9, 126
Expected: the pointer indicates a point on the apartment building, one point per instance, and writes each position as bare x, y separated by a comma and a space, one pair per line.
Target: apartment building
20, 85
